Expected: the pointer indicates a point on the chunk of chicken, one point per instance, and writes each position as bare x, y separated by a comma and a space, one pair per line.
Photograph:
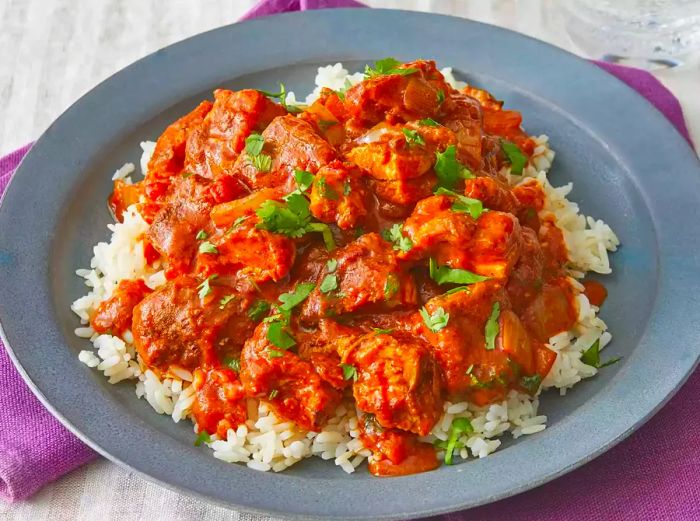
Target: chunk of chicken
494, 194
367, 277
219, 403
396, 97
246, 251
495, 245
175, 326
339, 195
386, 155
168, 157
114, 314
213, 148
186, 212
398, 381
292, 143
464, 118
291, 385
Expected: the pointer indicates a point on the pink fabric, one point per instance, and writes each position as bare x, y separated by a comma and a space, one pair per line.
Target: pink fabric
652, 476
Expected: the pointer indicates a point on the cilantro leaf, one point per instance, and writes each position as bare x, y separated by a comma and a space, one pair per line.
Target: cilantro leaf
456, 290
205, 287
531, 383
254, 144
391, 286
272, 394
591, 356
446, 275
207, 247
440, 97
290, 218
258, 310
304, 179
278, 336
328, 284
326, 191
347, 188
202, 437
201, 235
491, 329
349, 371
282, 96
262, 163
436, 321
234, 364
274, 353
459, 427
474, 207
428, 122
413, 137
379, 331
387, 66
331, 265
448, 169
326, 233
237, 223
226, 300
296, 296
395, 235
517, 159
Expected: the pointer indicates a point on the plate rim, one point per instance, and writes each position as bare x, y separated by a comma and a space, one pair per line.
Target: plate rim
321, 14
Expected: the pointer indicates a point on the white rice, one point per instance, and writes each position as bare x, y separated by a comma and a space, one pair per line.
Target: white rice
266, 442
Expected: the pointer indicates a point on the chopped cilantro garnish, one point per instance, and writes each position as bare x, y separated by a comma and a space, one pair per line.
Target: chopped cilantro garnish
272, 394
331, 265
274, 353
237, 223
448, 169
446, 275
292, 218
234, 364
202, 437
395, 235
258, 310
379, 331
429, 122
491, 329
387, 66
226, 300
349, 371
253, 147
456, 290
436, 321
278, 336
469, 369
326, 191
282, 96
391, 286
464, 204
205, 287
346, 187
440, 97
304, 179
591, 356
531, 383
254, 144
328, 284
325, 233
517, 159
207, 247
459, 427
296, 296
201, 235
325, 124
413, 137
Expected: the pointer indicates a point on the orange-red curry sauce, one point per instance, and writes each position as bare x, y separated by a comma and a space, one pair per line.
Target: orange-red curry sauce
377, 177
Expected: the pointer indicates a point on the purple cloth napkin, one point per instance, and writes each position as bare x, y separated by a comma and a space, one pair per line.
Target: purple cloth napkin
653, 475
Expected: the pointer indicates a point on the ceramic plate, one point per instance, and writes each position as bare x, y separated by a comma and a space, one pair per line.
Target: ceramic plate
628, 164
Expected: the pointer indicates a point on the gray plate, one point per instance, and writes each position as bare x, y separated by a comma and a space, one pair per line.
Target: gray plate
630, 168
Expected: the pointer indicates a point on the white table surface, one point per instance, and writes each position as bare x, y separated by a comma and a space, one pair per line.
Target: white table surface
53, 51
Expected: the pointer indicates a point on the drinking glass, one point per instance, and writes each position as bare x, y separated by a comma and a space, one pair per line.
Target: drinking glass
649, 33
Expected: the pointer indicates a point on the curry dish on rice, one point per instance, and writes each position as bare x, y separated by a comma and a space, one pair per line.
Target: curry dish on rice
369, 248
